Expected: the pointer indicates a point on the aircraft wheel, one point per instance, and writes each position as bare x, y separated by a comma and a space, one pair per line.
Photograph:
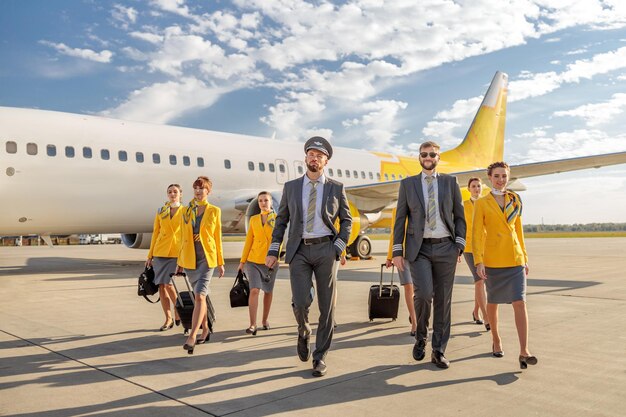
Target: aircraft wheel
361, 247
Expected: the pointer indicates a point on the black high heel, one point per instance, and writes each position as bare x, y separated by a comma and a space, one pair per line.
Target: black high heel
476, 320
487, 326
166, 326
524, 361
177, 321
251, 330
498, 354
202, 341
266, 326
189, 348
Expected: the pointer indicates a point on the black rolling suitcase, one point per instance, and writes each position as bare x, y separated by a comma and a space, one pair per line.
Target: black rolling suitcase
384, 299
185, 304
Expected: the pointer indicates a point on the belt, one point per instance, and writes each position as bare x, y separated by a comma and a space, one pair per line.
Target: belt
196, 237
316, 240
433, 240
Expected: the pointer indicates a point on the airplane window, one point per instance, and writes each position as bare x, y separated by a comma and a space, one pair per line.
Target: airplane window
347, 173
200, 161
186, 161
172, 159
227, 163
400, 176
31, 148
356, 174
363, 174
69, 151
271, 166
371, 175
281, 168
122, 155
330, 172
386, 177
339, 173
261, 167
104, 154
87, 152
139, 157
11, 147
51, 150
378, 176
156, 158
251, 165
300, 170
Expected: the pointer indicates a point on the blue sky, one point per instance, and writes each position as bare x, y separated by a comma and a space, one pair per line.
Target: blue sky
369, 74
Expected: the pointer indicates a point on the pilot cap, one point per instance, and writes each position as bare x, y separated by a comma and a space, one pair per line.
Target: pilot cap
320, 144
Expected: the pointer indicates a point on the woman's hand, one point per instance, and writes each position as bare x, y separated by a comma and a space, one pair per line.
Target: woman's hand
148, 262
179, 270
221, 270
480, 271
388, 263
526, 269
240, 267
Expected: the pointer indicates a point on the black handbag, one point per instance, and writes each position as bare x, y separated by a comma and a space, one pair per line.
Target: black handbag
146, 285
240, 291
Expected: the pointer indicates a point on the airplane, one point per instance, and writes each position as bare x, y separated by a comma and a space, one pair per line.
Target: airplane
69, 173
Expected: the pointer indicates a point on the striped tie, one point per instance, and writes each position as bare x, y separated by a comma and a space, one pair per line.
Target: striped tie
310, 211
431, 216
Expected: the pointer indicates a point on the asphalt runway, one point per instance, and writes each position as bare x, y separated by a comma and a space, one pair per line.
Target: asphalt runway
76, 340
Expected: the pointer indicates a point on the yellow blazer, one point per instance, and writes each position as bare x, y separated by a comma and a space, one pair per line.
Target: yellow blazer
468, 209
258, 239
210, 237
496, 243
393, 222
166, 235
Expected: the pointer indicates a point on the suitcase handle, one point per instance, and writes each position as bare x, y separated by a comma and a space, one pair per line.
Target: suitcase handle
182, 274
380, 288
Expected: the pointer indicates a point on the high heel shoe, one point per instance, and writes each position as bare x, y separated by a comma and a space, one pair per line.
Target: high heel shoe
266, 326
189, 348
524, 361
203, 340
177, 322
487, 326
498, 354
476, 320
166, 326
251, 330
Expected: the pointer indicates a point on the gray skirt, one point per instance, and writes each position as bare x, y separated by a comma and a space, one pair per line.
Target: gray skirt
469, 258
200, 277
163, 267
405, 276
257, 274
505, 285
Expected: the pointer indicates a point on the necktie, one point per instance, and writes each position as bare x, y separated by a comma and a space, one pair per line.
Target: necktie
310, 211
432, 222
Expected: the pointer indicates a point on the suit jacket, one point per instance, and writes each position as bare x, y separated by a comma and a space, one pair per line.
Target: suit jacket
210, 237
411, 214
258, 239
468, 206
393, 222
334, 206
496, 243
166, 236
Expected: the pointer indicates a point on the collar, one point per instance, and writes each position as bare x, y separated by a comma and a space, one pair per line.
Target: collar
434, 175
321, 179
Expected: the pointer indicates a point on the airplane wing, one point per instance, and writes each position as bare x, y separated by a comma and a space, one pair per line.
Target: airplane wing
371, 198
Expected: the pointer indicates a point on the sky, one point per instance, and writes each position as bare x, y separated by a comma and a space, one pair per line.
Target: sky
370, 74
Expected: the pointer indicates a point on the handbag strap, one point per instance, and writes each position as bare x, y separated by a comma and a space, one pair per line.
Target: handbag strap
149, 300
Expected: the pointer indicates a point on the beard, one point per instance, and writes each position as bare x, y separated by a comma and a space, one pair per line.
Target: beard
312, 168
432, 164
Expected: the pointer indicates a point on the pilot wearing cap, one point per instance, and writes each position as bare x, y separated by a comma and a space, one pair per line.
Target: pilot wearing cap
312, 205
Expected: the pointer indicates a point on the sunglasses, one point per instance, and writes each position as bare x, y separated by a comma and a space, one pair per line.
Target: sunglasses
431, 154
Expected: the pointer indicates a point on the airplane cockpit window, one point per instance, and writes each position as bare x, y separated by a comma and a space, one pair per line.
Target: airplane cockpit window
271, 167
227, 163
11, 147
261, 166
371, 175
87, 152
123, 156
186, 161
330, 172
156, 158
281, 168
200, 161
105, 154
251, 165
31, 148
69, 151
347, 173
172, 159
51, 150
139, 157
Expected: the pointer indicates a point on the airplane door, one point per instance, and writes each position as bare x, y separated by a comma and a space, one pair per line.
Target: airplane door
282, 172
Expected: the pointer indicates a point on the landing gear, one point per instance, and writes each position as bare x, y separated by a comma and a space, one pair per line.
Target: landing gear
361, 247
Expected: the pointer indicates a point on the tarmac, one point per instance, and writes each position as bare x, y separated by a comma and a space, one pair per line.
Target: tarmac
76, 340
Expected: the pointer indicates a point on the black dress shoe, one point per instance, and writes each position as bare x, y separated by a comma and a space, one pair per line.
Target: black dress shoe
304, 350
319, 368
419, 350
438, 359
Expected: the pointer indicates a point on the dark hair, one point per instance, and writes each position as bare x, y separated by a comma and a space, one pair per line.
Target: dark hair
500, 164
430, 144
471, 180
203, 182
175, 185
262, 193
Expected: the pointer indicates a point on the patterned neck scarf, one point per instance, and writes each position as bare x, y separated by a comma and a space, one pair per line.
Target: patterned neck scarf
512, 206
164, 211
192, 211
271, 217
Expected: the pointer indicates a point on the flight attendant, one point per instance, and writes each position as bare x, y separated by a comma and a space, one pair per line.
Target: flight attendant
405, 280
200, 253
500, 257
475, 188
164, 249
258, 240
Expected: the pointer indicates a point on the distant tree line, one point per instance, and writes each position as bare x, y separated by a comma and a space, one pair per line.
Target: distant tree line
589, 227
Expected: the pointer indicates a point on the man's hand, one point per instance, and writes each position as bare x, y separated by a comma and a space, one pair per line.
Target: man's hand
271, 261
342, 260
398, 261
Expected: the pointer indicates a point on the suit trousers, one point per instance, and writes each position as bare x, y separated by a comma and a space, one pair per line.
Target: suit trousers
318, 259
433, 278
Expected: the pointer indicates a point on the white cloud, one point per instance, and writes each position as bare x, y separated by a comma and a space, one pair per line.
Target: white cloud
598, 113
172, 6
153, 38
580, 142
124, 15
576, 51
103, 56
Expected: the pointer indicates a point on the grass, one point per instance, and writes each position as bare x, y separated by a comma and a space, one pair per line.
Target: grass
543, 235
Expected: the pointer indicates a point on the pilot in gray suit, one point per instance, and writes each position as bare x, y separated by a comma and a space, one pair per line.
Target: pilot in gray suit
435, 239
310, 205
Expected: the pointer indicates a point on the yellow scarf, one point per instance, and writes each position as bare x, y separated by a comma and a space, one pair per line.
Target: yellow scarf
164, 211
512, 206
192, 211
